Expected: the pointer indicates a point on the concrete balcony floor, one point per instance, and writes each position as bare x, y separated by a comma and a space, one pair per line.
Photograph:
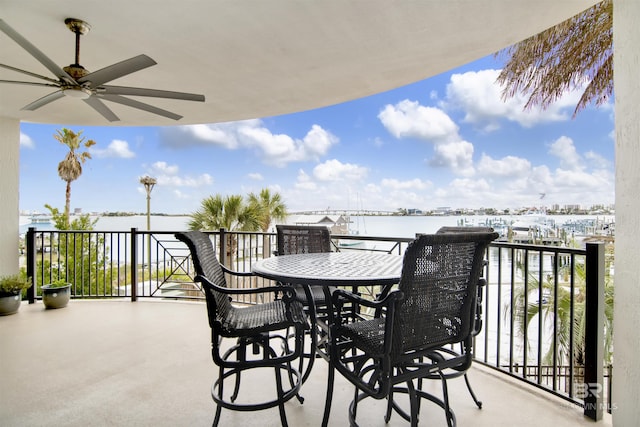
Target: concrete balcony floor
148, 363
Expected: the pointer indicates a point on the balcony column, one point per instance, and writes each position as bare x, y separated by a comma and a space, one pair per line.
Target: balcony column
9, 194
626, 366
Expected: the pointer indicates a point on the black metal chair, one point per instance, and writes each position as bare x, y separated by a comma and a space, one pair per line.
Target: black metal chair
433, 307
304, 239
461, 370
261, 333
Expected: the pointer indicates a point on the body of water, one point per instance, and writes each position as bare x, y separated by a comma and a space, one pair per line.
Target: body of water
387, 226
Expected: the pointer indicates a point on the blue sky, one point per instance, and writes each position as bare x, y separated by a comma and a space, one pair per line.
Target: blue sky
445, 141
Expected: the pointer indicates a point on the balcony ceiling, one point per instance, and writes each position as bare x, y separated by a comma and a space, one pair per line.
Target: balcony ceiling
258, 58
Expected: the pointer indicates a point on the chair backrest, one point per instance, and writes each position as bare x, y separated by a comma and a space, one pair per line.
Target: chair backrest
440, 274
208, 270
477, 326
302, 239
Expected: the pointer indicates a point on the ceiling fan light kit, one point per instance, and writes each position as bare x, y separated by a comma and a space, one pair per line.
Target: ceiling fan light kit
75, 81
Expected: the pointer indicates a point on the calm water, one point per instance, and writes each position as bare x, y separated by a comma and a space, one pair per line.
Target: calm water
388, 226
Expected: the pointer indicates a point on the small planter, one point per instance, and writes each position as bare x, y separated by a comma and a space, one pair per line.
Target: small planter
9, 303
11, 288
56, 296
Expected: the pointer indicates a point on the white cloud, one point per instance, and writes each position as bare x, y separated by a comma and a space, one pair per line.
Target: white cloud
413, 184
304, 182
334, 170
167, 175
274, 149
479, 96
564, 149
598, 161
26, 141
256, 176
116, 149
507, 167
409, 119
457, 156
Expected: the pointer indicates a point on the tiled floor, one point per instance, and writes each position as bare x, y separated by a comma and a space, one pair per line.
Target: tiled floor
148, 363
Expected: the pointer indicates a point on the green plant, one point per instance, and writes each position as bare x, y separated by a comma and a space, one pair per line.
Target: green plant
58, 283
14, 284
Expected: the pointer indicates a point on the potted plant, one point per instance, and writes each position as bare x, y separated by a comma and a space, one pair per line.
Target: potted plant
56, 294
11, 288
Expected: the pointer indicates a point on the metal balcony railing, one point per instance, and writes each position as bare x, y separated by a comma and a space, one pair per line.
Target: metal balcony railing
544, 310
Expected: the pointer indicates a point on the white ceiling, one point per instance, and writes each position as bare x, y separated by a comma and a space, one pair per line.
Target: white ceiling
258, 58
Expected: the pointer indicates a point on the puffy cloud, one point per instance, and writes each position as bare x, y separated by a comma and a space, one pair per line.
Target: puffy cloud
564, 150
274, 149
409, 119
26, 141
457, 156
480, 97
507, 167
256, 176
117, 149
167, 175
334, 170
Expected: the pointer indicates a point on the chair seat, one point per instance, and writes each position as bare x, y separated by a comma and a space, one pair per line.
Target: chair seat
367, 335
317, 293
259, 318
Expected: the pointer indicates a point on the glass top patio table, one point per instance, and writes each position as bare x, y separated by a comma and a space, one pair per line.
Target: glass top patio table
332, 268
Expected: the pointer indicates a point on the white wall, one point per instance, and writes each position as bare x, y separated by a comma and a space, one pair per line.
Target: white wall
9, 177
626, 365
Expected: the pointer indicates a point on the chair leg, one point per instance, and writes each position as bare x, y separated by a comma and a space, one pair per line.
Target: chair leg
473, 395
413, 403
283, 415
216, 419
451, 422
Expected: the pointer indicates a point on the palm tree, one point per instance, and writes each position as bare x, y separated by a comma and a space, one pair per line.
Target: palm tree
70, 168
575, 52
270, 206
230, 213
523, 316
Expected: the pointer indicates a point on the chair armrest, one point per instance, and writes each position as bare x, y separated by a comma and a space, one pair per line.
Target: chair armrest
387, 304
236, 273
286, 290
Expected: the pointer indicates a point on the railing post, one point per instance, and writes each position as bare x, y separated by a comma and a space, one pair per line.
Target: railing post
594, 332
31, 263
223, 247
134, 264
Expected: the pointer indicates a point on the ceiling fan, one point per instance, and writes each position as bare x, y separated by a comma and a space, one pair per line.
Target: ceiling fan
77, 82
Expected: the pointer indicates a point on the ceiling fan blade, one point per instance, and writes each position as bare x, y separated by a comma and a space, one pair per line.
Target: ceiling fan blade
140, 106
35, 52
117, 70
101, 108
29, 73
136, 91
29, 83
44, 101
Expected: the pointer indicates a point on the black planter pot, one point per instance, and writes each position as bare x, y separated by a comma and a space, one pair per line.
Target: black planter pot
54, 296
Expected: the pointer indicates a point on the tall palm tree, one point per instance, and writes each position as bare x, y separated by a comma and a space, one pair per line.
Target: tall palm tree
70, 168
576, 52
230, 213
270, 206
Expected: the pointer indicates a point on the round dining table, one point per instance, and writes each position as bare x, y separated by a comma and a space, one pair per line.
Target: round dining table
347, 269
332, 268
